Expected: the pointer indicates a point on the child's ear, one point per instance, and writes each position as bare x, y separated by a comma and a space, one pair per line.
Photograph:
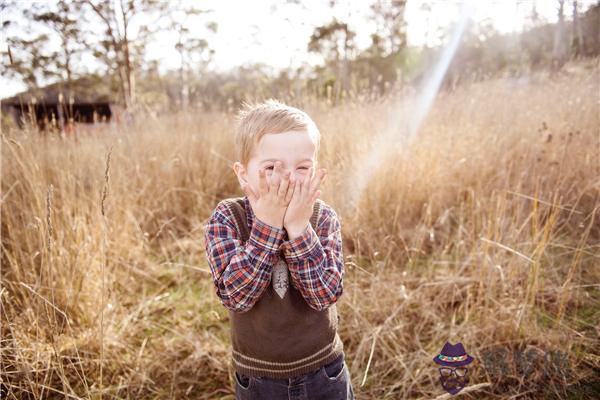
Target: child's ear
240, 172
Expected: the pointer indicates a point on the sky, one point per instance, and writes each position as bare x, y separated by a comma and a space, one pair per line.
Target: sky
277, 33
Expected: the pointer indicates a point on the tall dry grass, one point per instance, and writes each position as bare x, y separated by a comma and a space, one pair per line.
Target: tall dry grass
485, 230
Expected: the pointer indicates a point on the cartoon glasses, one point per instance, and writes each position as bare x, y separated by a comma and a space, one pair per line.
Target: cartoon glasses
448, 372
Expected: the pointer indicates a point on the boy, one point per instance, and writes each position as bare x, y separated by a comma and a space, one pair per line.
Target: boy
277, 263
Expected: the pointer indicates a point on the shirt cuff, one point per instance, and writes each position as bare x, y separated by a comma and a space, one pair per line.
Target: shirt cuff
266, 237
295, 250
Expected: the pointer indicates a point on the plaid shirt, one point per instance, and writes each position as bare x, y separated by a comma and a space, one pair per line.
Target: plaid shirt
241, 272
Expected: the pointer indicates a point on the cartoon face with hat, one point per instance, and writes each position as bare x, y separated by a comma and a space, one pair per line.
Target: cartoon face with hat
453, 373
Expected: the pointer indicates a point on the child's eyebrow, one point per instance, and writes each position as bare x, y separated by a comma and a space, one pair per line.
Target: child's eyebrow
274, 159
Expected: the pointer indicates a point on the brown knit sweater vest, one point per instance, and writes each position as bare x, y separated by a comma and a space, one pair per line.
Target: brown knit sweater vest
281, 338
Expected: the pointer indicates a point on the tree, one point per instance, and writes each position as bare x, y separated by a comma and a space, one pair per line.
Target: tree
117, 18
559, 51
391, 26
335, 42
376, 65
388, 43
26, 57
65, 21
193, 51
577, 42
27, 60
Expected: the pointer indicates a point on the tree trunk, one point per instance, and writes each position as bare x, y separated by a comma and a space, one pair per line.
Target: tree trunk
577, 42
559, 52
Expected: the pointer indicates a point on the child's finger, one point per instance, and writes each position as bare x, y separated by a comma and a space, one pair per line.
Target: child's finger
315, 196
301, 186
262, 182
275, 178
290, 193
317, 181
283, 186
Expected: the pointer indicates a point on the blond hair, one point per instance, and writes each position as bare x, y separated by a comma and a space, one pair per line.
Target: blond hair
271, 116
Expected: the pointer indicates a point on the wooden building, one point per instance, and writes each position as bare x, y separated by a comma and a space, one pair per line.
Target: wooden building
61, 104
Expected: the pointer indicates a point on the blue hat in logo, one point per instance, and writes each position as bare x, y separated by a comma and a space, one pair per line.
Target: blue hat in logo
453, 355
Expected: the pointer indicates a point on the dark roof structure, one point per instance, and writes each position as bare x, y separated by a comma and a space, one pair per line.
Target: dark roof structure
85, 90
84, 100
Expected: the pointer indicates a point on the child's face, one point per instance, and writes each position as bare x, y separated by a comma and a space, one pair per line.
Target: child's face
295, 150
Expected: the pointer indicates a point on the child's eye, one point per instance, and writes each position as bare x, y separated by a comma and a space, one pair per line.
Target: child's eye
271, 167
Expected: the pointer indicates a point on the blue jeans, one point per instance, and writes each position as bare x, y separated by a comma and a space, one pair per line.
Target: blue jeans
330, 382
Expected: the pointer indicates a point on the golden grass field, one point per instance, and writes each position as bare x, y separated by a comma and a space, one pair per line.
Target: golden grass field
486, 233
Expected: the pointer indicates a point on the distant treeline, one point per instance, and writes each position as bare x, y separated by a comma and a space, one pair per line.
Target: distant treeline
483, 53
544, 46
134, 82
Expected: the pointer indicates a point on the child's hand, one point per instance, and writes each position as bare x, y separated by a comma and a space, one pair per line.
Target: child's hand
271, 201
300, 209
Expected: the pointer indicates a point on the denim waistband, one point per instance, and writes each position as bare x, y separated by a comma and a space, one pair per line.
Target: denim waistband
301, 378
